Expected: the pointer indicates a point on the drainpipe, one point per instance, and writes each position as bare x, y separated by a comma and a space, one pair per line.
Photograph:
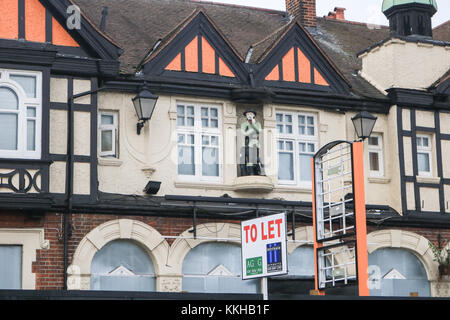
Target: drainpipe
69, 187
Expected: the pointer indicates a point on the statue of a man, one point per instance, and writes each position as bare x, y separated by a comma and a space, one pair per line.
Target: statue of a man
251, 129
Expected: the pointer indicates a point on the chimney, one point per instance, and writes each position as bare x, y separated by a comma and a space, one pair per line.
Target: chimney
303, 10
338, 14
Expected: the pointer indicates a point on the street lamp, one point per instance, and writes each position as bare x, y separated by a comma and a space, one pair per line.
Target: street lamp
144, 104
364, 123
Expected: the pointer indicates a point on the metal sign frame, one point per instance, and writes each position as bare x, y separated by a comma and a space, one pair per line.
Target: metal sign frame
333, 278
321, 205
358, 229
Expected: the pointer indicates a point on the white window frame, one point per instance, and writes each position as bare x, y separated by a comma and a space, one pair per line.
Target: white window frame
24, 103
427, 150
198, 131
107, 127
379, 150
297, 138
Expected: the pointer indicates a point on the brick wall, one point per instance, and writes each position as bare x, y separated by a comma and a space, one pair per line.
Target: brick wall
304, 10
48, 266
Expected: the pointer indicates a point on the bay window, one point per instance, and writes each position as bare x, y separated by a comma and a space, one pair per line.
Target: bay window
199, 142
20, 114
297, 143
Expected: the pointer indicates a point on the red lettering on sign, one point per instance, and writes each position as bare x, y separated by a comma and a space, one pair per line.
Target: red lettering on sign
246, 228
271, 228
263, 236
253, 233
279, 222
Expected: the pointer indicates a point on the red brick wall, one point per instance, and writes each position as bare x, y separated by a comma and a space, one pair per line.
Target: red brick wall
304, 10
48, 266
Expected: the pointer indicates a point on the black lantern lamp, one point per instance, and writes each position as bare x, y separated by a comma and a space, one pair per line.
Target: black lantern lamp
144, 103
364, 123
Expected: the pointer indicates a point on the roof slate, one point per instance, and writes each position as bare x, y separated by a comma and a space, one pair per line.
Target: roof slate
137, 25
442, 32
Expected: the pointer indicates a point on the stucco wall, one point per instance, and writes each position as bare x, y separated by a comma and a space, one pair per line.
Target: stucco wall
401, 64
152, 155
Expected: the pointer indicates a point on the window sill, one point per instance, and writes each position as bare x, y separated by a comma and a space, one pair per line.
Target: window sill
379, 180
293, 189
202, 185
26, 161
433, 180
253, 184
109, 162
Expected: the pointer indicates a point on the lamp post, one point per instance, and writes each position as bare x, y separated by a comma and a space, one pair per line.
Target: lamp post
364, 123
144, 104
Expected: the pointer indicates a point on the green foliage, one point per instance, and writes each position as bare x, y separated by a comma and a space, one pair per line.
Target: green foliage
442, 256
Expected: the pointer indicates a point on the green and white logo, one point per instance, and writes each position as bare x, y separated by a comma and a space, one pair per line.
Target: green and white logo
254, 266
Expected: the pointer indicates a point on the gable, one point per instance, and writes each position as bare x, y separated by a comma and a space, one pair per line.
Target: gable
296, 67
61, 26
200, 57
196, 50
31, 21
295, 61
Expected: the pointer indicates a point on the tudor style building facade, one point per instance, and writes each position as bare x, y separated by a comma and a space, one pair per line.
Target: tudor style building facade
86, 202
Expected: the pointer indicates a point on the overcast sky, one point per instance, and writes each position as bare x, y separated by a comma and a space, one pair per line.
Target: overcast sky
361, 10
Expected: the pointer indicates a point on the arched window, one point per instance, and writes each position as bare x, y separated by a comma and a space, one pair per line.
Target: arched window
20, 114
300, 279
400, 273
301, 262
122, 265
216, 268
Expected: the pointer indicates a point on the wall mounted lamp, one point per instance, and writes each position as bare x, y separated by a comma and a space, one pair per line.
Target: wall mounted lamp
144, 104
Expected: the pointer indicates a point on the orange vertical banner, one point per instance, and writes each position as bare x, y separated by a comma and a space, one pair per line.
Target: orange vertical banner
360, 217
316, 244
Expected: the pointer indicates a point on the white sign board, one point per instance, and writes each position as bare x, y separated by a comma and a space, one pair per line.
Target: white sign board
264, 249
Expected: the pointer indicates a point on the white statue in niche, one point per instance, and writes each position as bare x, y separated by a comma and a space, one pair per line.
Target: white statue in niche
250, 161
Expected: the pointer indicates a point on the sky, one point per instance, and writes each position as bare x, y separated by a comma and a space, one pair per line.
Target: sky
368, 11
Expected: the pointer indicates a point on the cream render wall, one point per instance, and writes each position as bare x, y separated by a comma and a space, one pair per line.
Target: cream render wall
425, 119
402, 64
153, 154
126, 174
385, 189
58, 126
